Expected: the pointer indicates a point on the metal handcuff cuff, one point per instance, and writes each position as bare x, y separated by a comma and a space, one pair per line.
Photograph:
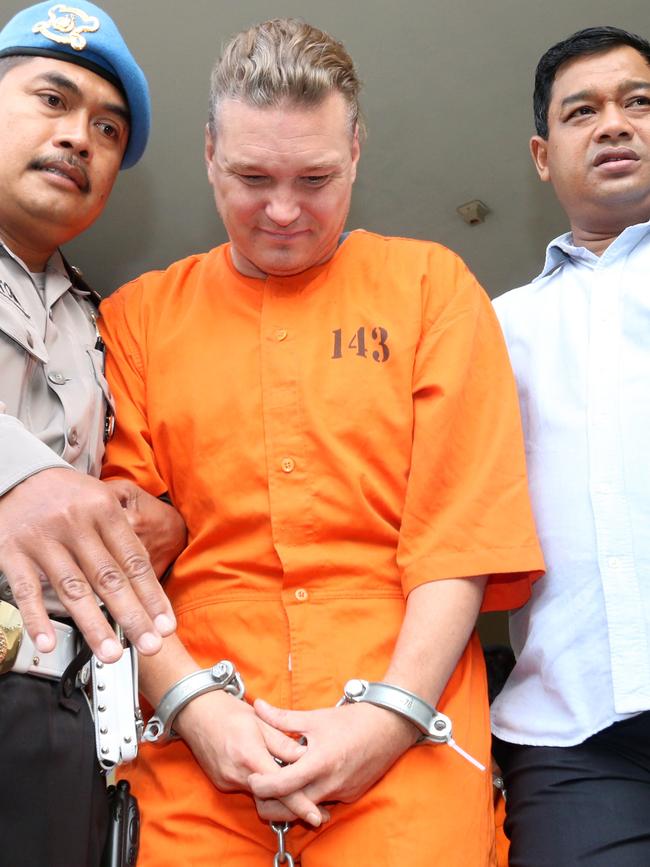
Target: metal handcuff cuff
435, 726
223, 675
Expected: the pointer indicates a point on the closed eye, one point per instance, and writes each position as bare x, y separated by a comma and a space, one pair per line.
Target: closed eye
316, 180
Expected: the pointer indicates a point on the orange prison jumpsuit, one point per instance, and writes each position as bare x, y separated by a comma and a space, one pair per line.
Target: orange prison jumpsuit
502, 842
333, 440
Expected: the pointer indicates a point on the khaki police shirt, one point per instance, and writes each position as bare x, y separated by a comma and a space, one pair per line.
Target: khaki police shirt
52, 389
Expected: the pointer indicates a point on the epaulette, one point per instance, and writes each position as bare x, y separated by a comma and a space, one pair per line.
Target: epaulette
77, 280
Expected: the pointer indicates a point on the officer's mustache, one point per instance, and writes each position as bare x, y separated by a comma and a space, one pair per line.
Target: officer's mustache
65, 164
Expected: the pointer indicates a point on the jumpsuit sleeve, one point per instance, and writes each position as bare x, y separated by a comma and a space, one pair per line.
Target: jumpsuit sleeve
129, 453
467, 511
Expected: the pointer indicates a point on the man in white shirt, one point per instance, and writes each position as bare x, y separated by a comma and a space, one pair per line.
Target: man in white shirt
572, 724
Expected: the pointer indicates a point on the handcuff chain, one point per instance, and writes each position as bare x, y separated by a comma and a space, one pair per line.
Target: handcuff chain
281, 856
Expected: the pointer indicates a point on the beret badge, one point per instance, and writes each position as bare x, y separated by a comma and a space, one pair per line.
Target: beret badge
66, 25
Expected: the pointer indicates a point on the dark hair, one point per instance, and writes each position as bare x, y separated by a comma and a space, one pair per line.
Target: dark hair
7, 63
592, 40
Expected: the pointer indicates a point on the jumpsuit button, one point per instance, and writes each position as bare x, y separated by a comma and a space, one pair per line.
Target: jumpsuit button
281, 334
288, 465
57, 378
30, 340
73, 436
301, 595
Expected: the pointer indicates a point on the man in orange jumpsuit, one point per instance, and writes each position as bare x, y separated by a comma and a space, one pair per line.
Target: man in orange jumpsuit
335, 418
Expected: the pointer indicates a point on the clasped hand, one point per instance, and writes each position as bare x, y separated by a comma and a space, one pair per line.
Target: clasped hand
348, 748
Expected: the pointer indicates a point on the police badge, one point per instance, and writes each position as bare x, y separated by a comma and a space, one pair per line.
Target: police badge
65, 25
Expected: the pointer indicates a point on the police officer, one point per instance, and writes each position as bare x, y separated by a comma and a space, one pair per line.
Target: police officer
74, 109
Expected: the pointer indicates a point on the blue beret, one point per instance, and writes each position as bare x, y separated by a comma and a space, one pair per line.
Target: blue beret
86, 35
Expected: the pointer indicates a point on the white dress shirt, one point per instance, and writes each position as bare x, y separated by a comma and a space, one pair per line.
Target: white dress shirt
579, 341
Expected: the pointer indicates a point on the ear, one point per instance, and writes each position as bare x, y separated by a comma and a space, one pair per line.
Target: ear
356, 152
209, 152
539, 153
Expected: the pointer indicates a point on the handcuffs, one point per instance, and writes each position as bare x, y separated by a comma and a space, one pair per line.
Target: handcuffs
434, 726
223, 675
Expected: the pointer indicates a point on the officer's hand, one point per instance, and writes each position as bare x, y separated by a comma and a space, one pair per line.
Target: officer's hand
157, 525
231, 743
349, 748
67, 529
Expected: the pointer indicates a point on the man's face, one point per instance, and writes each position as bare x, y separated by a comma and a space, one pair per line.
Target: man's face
282, 180
63, 131
597, 155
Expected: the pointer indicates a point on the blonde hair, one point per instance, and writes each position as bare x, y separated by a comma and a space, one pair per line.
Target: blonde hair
284, 59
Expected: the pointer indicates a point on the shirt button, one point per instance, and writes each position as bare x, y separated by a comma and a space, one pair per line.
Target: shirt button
109, 426
302, 595
30, 340
56, 377
281, 334
288, 465
613, 562
73, 436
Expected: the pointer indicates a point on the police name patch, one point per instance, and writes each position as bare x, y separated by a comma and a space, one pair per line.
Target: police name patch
66, 24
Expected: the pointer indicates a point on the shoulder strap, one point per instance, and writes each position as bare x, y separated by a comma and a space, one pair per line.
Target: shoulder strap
77, 280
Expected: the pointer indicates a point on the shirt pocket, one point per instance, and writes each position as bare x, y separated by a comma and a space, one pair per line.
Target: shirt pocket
16, 326
22, 353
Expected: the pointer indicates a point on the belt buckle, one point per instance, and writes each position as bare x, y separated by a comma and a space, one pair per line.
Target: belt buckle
11, 635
